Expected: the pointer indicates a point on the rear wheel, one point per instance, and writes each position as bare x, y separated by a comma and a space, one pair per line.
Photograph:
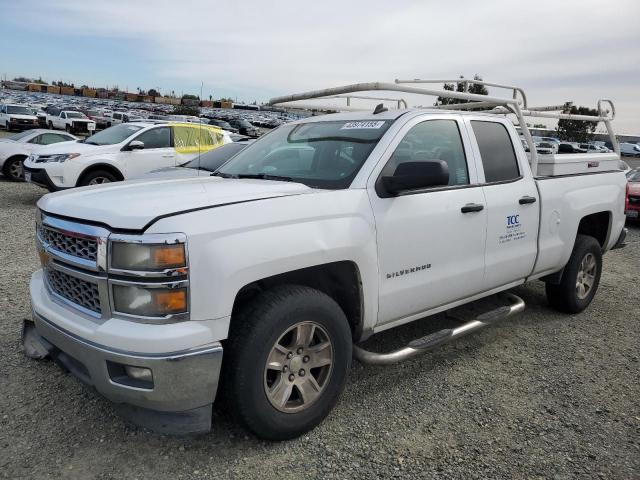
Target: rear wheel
580, 278
12, 169
287, 361
50, 125
97, 177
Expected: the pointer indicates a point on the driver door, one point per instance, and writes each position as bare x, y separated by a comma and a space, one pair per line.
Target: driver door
430, 243
157, 153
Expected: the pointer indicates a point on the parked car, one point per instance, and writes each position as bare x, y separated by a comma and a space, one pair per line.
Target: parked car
120, 152
592, 148
570, 148
15, 149
71, 121
17, 117
545, 148
305, 243
124, 117
223, 125
244, 127
203, 165
630, 149
632, 204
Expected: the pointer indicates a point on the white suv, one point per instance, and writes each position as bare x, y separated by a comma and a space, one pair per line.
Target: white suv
120, 152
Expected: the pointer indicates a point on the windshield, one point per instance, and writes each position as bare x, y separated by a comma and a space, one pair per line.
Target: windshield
75, 115
20, 135
19, 110
319, 154
213, 159
112, 135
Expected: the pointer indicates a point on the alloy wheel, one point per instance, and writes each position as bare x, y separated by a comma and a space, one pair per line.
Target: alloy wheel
586, 276
298, 367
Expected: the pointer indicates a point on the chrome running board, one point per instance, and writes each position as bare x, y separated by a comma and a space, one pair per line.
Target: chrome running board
433, 340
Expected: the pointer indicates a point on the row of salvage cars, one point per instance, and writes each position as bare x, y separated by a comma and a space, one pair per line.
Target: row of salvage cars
58, 160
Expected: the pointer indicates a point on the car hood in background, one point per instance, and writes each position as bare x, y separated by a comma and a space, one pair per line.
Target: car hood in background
132, 205
72, 146
173, 172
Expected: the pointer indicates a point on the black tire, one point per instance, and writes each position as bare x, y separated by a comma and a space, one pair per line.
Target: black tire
50, 125
67, 128
95, 176
10, 171
254, 333
565, 297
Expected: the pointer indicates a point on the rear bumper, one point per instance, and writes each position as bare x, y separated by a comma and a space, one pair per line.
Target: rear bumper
179, 398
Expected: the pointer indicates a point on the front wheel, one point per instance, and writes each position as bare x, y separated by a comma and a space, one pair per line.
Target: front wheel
287, 361
580, 278
13, 170
97, 177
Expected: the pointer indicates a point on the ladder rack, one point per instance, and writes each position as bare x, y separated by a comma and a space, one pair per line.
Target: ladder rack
516, 105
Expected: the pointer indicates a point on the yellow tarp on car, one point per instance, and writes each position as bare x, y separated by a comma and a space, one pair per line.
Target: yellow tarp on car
194, 138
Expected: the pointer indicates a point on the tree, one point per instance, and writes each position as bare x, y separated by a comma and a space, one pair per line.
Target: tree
577, 130
186, 110
154, 93
459, 87
190, 97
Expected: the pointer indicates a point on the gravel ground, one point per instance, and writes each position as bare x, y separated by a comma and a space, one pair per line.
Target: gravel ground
541, 396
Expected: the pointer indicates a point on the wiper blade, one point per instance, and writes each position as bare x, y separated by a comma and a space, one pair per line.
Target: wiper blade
89, 143
264, 176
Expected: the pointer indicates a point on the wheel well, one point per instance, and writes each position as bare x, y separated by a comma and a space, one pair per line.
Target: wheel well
339, 280
5, 166
597, 226
101, 166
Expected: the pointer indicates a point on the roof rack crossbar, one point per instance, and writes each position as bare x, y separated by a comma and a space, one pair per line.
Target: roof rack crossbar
466, 81
399, 101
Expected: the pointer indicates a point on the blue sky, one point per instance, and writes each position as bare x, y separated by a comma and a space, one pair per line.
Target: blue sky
577, 50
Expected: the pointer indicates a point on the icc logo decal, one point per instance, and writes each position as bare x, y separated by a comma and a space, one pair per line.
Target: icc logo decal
513, 220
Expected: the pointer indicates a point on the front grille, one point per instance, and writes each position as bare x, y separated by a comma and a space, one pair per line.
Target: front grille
80, 126
85, 248
74, 289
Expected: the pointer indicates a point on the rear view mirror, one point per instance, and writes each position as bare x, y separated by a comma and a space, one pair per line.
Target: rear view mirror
136, 145
417, 175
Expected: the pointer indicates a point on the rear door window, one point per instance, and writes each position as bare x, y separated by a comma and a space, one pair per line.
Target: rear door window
496, 150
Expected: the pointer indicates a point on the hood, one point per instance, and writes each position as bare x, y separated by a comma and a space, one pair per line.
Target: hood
133, 204
22, 116
174, 172
70, 147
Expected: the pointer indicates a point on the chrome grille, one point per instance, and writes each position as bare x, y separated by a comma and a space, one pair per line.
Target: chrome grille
85, 248
74, 289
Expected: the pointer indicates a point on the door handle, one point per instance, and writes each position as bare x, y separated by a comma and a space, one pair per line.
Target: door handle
168, 155
472, 207
526, 200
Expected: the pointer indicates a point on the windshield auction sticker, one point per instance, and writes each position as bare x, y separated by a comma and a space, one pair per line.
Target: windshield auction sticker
360, 125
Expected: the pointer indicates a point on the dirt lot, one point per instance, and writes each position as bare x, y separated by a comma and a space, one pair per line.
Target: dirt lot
541, 396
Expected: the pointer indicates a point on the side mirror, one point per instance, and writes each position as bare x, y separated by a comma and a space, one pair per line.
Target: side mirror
416, 175
135, 145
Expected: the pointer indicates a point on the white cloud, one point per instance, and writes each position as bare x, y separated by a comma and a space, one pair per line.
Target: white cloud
576, 50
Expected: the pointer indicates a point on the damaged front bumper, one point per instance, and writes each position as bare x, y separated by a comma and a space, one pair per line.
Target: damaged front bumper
169, 393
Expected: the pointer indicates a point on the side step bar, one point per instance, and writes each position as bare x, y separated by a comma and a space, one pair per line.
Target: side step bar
433, 340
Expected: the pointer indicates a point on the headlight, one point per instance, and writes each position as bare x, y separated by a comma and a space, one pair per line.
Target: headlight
148, 258
59, 158
149, 302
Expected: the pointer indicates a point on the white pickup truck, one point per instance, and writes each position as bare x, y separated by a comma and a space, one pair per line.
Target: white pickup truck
71, 121
315, 237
